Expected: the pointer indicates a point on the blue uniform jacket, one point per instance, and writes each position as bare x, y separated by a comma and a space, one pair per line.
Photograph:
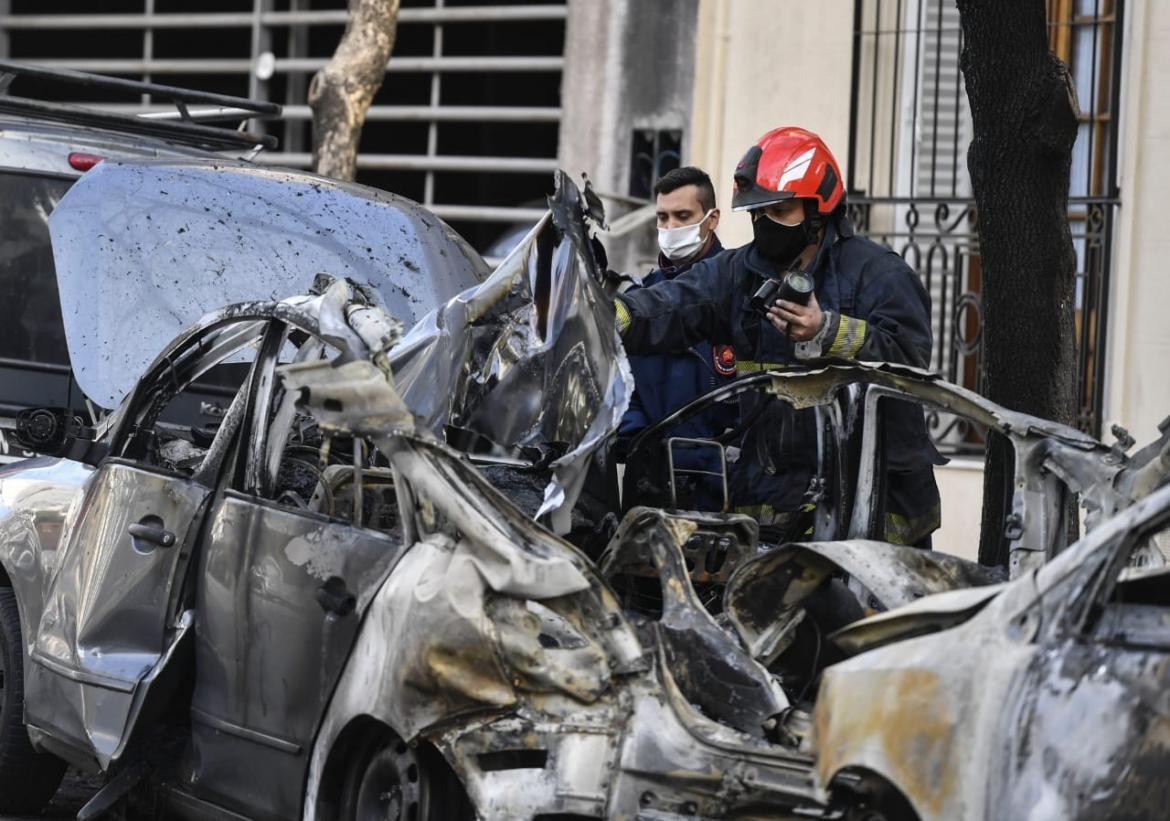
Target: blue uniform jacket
664, 382
882, 313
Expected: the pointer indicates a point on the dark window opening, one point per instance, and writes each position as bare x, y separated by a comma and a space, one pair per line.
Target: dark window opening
652, 154
28, 283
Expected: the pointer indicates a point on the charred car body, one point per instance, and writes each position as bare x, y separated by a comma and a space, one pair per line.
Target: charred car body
324, 609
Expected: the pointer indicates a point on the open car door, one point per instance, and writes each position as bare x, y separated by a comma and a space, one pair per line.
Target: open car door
115, 609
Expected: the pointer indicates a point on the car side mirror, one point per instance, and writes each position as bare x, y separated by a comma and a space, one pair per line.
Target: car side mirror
57, 432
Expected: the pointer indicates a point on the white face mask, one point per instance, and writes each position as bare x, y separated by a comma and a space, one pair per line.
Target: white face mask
682, 243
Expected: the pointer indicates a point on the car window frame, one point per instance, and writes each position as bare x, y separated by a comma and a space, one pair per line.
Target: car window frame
249, 479
1098, 598
142, 406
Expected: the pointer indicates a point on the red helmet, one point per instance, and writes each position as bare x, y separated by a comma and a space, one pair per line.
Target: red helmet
786, 163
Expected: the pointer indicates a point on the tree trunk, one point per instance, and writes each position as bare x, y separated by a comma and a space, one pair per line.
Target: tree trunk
1024, 112
342, 91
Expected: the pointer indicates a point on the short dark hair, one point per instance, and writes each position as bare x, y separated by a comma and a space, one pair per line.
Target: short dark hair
688, 175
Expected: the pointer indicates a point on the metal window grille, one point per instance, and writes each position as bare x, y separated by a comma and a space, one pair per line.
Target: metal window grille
466, 121
909, 188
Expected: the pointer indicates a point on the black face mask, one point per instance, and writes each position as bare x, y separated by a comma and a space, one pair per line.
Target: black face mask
779, 244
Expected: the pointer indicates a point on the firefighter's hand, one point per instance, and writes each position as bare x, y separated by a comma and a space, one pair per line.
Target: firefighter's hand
799, 323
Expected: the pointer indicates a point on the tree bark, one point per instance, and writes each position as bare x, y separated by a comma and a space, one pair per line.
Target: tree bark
1024, 112
341, 92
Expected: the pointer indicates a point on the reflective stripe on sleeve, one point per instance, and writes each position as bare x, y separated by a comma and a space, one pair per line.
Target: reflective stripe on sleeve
748, 366
623, 316
850, 337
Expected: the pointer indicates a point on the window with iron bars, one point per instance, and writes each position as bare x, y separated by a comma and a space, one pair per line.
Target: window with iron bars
466, 121
908, 185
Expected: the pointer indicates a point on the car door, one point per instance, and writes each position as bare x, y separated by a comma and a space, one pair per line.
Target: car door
290, 562
1087, 728
114, 614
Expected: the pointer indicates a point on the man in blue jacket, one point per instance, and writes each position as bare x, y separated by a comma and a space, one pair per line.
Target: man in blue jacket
664, 382
867, 304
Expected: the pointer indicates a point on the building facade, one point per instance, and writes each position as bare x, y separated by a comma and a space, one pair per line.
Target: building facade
466, 122
879, 81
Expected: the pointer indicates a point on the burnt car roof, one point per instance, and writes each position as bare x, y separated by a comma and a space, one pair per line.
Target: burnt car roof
186, 237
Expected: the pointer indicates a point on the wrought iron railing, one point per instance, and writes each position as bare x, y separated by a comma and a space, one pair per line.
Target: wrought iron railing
909, 188
939, 238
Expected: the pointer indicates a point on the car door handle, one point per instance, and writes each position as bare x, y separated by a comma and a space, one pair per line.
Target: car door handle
153, 534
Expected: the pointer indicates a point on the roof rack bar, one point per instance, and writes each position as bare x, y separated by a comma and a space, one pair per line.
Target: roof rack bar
186, 131
446, 113
397, 113
197, 115
477, 14
304, 64
172, 93
423, 162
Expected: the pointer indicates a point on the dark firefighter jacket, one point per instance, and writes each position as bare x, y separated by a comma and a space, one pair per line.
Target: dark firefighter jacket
882, 312
664, 382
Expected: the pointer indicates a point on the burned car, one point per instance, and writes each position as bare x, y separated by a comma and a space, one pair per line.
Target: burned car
349, 598
1044, 698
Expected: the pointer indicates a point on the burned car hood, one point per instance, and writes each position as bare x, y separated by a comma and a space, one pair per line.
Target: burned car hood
526, 368
144, 249
927, 615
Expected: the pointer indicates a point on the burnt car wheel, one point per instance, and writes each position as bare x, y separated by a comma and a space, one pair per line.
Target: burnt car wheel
389, 780
28, 779
875, 799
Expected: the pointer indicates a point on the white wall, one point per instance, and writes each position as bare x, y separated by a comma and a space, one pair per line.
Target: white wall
1138, 378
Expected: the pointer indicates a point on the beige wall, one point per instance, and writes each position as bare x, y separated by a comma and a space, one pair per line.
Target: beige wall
762, 64
961, 486
1138, 378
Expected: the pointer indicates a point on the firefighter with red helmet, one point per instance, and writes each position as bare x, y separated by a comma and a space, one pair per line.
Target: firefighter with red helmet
866, 304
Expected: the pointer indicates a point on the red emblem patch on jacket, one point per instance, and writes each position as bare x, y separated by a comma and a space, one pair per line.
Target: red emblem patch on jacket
723, 358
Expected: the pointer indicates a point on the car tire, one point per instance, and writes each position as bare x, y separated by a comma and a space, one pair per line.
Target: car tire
389, 780
28, 779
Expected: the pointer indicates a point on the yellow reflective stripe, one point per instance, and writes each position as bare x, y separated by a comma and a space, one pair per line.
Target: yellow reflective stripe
911, 529
755, 510
839, 339
623, 316
748, 366
766, 515
860, 328
850, 337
